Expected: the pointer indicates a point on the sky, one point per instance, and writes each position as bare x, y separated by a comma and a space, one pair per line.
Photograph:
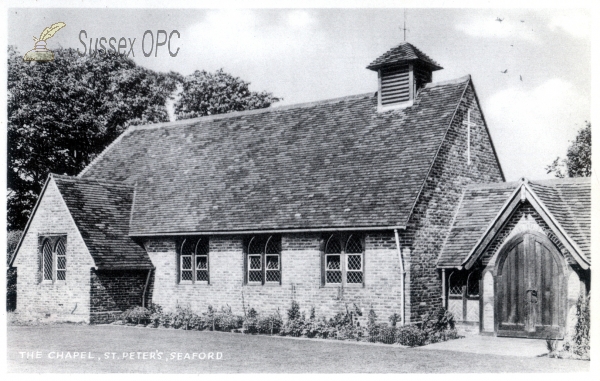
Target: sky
532, 111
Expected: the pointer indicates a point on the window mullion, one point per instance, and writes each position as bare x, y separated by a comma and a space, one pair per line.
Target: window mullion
343, 260
54, 264
194, 268
264, 267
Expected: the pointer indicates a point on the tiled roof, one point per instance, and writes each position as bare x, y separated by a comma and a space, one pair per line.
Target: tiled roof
480, 204
331, 164
101, 211
401, 53
570, 202
567, 200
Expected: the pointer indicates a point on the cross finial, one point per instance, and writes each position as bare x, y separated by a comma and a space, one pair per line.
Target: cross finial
404, 29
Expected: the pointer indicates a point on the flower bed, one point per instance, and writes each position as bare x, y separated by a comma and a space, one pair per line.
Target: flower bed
435, 326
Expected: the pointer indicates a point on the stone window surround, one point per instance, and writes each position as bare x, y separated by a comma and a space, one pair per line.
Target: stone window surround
53, 240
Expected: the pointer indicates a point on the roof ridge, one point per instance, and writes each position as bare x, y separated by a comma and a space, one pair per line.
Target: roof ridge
91, 179
454, 81
505, 184
187, 122
206, 118
564, 180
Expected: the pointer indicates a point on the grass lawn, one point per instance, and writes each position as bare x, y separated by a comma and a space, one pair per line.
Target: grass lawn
240, 354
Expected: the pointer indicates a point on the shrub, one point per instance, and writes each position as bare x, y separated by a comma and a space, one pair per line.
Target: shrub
209, 317
250, 324
438, 320
342, 327
387, 335
165, 319
372, 327
270, 325
340, 319
312, 313
349, 332
438, 325
225, 320
136, 315
318, 328
182, 317
197, 323
295, 324
411, 336
436, 337
579, 344
581, 338
155, 314
394, 318
294, 312
294, 328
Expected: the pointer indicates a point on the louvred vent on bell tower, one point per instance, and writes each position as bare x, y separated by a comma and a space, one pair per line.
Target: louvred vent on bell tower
403, 70
395, 85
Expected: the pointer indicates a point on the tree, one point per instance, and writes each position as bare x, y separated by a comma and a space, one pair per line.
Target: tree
578, 162
206, 93
63, 113
12, 240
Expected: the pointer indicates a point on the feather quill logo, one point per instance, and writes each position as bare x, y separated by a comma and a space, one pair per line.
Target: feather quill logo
40, 52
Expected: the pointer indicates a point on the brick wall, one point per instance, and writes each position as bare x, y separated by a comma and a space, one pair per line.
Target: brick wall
301, 278
439, 199
115, 291
70, 298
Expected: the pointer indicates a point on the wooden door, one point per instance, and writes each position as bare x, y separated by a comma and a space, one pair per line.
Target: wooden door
530, 289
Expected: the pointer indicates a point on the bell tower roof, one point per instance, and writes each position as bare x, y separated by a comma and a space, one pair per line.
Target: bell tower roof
401, 54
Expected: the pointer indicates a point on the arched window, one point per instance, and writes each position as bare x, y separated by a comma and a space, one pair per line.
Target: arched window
53, 253
343, 260
193, 260
333, 260
61, 260
456, 283
272, 263
354, 260
202, 260
473, 284
48, 259
263, 260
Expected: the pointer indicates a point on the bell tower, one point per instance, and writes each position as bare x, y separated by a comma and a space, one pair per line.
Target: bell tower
401, 72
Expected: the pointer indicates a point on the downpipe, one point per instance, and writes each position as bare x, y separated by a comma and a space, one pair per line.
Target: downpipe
146, 287
402, 275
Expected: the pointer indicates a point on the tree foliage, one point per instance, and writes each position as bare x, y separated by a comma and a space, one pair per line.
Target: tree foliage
578, 162
12, 240
206, 93
63, 113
